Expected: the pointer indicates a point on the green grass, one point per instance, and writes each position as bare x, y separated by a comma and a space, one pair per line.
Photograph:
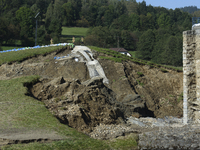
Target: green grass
140, 83
140, 74
76, 31
180, 97
21, 55
117, 57
125, 144
21, 111
132, 53
8, 47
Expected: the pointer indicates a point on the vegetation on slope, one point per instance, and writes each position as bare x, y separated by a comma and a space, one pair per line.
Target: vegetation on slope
18, 110
118, 57
19, 56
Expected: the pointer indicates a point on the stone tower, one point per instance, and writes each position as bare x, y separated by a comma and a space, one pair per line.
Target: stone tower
191, 76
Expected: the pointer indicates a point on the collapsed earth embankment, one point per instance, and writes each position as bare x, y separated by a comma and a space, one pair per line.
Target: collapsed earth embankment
83, 103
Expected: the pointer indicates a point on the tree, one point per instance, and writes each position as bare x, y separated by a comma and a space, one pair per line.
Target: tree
109, 15
146, 22
3, 6
134, 24
142, 8
131, 6
171, 51
100, 16
127, 40
196, 14
146, 45
53, 20
3, 29
76, 4
25, 18
68, 14
164, 21
48, 18
121, 23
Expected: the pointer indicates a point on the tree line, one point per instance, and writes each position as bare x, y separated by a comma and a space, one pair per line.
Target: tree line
154, 32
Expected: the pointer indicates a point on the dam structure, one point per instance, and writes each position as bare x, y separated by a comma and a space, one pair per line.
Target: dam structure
84, 54
191, 75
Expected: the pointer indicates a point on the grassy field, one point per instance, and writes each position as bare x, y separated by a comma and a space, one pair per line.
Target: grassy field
69, 32
21, 55
21, 111
74, 31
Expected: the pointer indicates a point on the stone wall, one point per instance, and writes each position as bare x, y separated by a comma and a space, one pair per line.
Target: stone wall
191, 76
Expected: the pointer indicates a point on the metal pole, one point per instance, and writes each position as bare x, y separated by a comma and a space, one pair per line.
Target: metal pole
36, 29
117, 41
36, 34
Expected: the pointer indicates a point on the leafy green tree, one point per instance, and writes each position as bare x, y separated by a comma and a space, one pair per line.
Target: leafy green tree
92, 14
3, 6
100, 16
142, 8
127, 40
109, 16
146, 22
76, 4
120, 9
190, 9
164, 21
171, 51
158, 55
42, 6
196, 14
48, 18
68, 14
25, 18
121, 23
131, 6
53, 20
3, 29
41, 34
146, 45
134, 23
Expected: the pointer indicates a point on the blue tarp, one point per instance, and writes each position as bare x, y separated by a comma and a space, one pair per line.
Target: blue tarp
25, 48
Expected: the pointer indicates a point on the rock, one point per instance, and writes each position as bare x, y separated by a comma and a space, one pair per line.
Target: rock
171, 138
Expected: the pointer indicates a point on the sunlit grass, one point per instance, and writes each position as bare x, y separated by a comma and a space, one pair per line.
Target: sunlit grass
9, 47
23, 54
117, 57
21, 111
76, 31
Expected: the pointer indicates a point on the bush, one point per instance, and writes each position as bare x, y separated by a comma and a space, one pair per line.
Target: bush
82, 23
93, 40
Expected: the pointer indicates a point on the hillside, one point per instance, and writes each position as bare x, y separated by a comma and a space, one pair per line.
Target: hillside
136, 88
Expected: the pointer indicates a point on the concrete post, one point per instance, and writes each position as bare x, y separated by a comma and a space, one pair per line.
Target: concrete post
191, 76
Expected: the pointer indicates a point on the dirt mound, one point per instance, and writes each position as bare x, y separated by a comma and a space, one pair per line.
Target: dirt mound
85, 105
133, 90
